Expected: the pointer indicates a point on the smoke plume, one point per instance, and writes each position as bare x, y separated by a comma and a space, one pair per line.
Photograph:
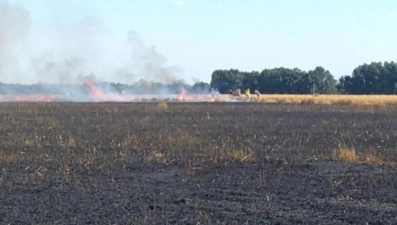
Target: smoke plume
82, 61
69, 52
14, 28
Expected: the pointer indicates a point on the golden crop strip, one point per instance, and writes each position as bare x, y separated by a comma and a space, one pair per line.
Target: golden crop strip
322, 99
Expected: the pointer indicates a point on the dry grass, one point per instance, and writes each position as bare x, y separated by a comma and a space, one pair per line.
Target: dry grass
323, 99
158, 157
162, 106
240, 155
374, 159
349, 154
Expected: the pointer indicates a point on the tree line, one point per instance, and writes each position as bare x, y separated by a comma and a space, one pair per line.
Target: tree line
373, 78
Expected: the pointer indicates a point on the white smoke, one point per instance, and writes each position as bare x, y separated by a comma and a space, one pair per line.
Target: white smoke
68, 52
14, 28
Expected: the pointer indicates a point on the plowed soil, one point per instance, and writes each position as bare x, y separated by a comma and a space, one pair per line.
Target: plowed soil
197, 163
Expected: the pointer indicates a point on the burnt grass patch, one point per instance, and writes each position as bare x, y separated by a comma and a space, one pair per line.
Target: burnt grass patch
197, 163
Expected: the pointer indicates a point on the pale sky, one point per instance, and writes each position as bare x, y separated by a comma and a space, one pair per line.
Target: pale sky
200, 36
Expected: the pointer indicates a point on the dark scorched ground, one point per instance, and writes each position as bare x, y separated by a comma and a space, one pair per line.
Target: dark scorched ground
294, 177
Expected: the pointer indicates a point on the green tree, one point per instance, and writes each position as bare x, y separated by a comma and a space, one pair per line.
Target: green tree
321, 81
373, 78
223, 80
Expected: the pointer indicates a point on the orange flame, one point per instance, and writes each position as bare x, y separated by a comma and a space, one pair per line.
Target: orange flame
97, 95
184, 96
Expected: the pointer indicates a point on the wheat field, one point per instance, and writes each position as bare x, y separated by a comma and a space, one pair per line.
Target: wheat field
320, 99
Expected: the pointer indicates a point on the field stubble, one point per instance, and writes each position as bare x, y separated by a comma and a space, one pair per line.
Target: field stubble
189, 163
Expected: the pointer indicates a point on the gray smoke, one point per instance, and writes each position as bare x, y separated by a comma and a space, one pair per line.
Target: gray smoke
147, 61
69, 52
14, 29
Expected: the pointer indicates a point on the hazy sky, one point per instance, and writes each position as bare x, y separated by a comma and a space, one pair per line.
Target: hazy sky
200, 36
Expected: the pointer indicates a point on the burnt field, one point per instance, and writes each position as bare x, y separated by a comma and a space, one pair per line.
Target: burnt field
197, 163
